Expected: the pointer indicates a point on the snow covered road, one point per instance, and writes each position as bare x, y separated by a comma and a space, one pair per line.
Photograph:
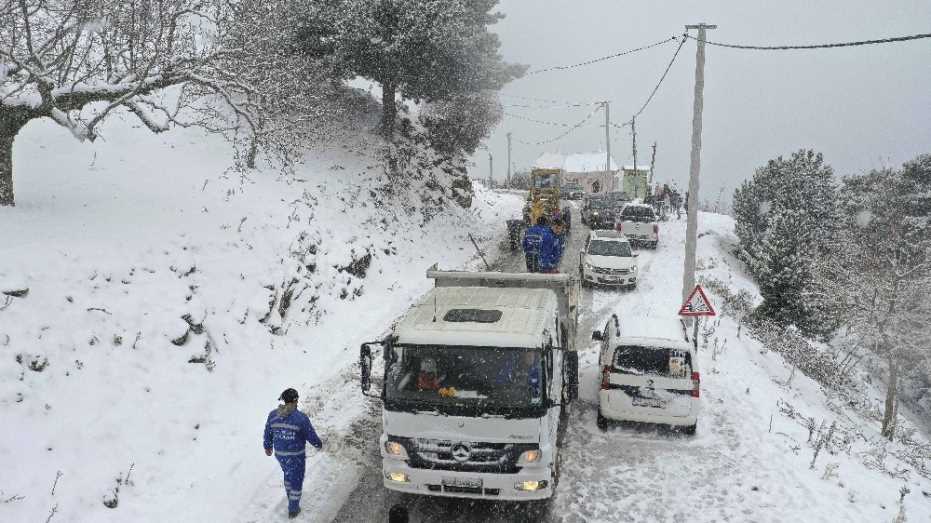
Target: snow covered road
746, 463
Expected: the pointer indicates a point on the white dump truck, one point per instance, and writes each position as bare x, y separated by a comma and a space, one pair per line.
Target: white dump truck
477, 381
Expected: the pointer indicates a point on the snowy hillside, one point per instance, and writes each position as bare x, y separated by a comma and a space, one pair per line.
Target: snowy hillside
170, 301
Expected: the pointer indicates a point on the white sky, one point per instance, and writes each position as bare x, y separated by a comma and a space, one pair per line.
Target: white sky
863, 107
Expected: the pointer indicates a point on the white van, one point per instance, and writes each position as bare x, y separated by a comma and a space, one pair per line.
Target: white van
647, 379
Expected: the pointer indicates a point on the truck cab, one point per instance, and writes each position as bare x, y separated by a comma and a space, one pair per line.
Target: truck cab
476, 380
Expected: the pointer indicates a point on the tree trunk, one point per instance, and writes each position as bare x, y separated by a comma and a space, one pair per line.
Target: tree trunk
389, 109
6, 169
889, 414
11, 121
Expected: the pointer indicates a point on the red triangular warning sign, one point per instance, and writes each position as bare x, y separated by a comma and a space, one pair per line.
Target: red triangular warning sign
697, 304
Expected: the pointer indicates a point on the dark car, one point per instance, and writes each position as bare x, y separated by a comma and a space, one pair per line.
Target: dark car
599, 212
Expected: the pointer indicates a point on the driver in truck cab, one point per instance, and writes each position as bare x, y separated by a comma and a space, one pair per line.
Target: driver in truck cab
427, 378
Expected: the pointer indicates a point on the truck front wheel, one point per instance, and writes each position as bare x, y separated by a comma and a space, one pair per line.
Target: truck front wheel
601, 422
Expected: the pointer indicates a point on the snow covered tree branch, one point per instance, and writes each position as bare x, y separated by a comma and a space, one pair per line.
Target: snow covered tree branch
213, 63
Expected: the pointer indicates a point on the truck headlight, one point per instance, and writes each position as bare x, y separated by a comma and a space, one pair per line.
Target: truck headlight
393, 448
529, 456
633, 268
530, 486
397, 477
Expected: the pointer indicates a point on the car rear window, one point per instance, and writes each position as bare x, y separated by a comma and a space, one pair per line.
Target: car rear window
639, 214
654, 361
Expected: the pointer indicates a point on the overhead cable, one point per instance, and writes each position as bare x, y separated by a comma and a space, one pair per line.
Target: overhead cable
564, 134
815, 46
661, 78
534, 120
602, 58
549, 101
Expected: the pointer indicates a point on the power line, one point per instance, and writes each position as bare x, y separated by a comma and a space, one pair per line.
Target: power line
815, 46
564, 134
534, 120
546, 107
655, 89
601, 59
550, 101
661, 78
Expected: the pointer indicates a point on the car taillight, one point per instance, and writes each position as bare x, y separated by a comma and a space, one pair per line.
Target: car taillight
605, 378
619, 227
696, 383
656, 228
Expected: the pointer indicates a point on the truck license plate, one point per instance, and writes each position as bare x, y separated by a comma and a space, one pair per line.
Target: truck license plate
462, 482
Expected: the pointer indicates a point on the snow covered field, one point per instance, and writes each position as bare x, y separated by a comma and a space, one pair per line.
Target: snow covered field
103, 381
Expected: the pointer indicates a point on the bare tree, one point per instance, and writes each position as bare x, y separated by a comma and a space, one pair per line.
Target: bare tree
211, 63
880, 271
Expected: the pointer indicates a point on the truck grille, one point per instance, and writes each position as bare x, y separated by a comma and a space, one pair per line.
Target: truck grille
464, 456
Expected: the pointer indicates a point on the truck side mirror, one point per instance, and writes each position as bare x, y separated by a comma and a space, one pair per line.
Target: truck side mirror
365, 366
597, 336
572, 375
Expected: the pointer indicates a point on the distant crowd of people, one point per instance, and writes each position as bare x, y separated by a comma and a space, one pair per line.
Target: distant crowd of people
667, 200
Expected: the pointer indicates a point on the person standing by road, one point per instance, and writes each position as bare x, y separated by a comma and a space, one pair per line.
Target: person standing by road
287, 431
534, 239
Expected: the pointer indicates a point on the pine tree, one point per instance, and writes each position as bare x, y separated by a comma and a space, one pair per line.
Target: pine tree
785, 219
423, 49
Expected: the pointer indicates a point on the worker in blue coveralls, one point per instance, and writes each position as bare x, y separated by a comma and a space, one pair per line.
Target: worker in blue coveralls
534, 238
287, 431
552, 248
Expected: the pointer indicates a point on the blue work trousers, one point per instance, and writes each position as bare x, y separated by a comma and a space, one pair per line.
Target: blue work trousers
293, 468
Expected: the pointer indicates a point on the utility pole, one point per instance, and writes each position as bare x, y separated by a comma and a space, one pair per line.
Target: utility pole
652, 163
491, 170
508, 182
607, 106
633, 130
691, 229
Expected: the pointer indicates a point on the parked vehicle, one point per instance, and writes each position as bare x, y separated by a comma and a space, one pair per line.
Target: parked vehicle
598, 213
648, 380
573, 191
476, 380
620, 198
639, 223
607, 259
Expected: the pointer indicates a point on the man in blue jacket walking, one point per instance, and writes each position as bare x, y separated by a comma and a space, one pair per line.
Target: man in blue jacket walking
287, 431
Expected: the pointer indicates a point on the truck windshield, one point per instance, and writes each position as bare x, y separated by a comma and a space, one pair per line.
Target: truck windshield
605, 248
464, 380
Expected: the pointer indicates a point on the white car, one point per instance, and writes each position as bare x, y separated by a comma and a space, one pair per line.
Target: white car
607, 259
638, 222
647, 380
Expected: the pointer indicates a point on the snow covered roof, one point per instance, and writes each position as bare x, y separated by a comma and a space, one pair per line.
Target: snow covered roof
524, 317
586, 163
549, 161
641, 168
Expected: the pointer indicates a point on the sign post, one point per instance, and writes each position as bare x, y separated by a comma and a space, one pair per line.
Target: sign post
696, 305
